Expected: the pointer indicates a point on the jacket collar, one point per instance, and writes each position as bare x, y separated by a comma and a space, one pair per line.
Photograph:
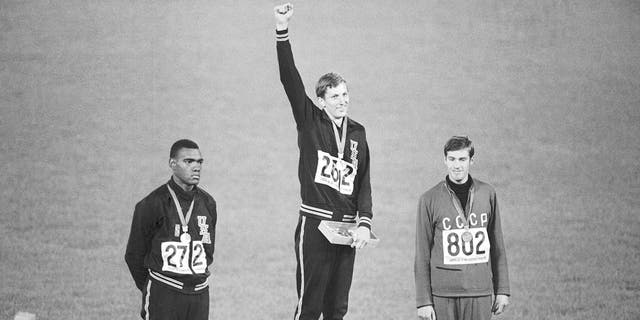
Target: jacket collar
446, 185
181, 193
326, 116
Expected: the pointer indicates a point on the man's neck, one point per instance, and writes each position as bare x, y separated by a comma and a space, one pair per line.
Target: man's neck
463, 181
337, 121
184, 186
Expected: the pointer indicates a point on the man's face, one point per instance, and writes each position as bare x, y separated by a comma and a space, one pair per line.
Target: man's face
458, 163
336, 101
186, 166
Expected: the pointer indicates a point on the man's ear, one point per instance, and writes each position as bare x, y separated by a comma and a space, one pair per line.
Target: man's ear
172, 163
321, 102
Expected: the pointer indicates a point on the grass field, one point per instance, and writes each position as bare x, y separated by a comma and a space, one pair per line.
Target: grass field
92, 94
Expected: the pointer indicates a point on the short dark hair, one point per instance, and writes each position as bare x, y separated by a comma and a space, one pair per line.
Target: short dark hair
180, 144
456, 143
329, 80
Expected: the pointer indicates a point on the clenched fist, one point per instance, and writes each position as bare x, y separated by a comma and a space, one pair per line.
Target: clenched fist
283, 14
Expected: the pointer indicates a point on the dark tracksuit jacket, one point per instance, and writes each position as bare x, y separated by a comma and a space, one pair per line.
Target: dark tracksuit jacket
154, 251
445, 266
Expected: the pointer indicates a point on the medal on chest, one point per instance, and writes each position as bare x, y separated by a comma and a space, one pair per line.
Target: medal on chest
184, 220
340, 139
185, 237
466, 235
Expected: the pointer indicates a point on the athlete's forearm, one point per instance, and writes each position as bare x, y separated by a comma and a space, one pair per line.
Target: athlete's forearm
498, 252
137, 270
290, 77
422, 263
138, 244
365, 203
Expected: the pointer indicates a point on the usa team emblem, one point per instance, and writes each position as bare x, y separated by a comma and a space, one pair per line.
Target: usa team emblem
354, 154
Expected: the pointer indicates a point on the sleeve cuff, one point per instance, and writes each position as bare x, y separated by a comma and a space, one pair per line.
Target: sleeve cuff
282, 35
364, 222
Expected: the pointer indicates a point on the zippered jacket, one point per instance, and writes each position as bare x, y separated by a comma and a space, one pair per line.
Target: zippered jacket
447, 265
155, 250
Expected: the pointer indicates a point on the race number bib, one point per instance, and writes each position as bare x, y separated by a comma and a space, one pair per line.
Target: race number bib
335, 173
182, 257
473, 251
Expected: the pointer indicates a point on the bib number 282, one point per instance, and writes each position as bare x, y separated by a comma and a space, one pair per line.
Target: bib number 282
335, 173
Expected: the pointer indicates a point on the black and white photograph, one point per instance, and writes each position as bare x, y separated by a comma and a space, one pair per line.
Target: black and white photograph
338, 159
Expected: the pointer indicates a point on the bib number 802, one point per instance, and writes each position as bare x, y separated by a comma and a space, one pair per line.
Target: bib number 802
457, 251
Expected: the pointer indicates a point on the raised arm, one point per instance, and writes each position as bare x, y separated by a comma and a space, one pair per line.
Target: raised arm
289, 76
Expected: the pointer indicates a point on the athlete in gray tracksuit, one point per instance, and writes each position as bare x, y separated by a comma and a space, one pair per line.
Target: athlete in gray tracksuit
460, 258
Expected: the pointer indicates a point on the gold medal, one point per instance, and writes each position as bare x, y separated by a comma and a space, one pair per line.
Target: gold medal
185, 237
340, 165
340, 140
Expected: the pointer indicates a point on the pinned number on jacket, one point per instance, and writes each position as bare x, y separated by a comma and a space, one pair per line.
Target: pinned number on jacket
457, 251
175, 257
335, 173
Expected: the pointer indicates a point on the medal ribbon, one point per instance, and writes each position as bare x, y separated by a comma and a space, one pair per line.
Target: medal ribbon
457, 205
183, 220
340, 141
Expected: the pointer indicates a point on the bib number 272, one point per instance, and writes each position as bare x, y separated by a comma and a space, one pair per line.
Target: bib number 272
181, 257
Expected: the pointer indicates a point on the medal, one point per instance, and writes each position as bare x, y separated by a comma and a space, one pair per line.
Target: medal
467, 236
184, 221
340, 141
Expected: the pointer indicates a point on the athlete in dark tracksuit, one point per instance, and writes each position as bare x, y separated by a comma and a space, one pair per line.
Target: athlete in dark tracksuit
332, 188
169, 262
